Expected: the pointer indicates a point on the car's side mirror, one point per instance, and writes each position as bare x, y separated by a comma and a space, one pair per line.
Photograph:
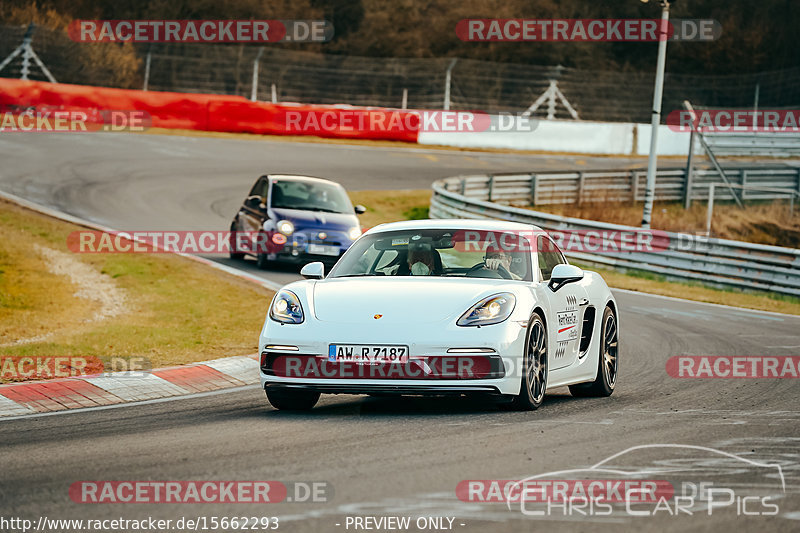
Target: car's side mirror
563, 274
359, 209
315, 270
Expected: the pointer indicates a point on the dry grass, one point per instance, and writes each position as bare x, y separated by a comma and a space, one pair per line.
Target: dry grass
763, 222
178, 311
392, 206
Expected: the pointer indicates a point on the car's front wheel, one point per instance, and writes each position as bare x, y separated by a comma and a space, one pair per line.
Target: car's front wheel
262, 261
533, 382
608, 363
292, 399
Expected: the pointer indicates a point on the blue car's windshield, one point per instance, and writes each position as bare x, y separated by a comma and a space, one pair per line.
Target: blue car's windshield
310, 196
440, 252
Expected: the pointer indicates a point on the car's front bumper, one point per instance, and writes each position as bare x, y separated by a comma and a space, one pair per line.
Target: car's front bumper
296, 250
491, 357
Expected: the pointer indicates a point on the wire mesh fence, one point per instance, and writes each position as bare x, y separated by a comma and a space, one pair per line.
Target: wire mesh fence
287, 75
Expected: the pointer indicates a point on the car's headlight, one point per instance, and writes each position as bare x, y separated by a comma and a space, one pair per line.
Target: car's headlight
491, 310
285, 227
286, 308
354, 233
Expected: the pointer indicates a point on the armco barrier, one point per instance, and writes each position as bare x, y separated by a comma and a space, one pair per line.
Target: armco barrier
321, 121
716, 262
199, 111
566, 187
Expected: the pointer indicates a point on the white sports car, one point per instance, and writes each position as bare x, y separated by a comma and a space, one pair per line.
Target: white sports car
437, 307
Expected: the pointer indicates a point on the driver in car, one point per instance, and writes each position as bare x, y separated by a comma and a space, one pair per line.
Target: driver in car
420, 259
499, 258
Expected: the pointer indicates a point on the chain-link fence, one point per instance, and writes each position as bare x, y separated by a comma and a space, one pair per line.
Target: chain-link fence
286, 75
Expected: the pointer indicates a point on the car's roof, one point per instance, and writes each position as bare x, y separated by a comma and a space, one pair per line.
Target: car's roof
456, 223
299, 177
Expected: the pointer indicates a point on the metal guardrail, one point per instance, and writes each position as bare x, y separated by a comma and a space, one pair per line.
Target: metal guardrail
759, 144
716, 262
568, 187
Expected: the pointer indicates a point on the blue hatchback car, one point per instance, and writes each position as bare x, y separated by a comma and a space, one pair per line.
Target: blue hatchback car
295, 219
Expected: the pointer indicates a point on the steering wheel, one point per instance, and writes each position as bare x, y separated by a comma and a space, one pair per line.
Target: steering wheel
500, 273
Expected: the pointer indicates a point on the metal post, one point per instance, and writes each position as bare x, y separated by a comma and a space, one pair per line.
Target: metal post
404, 104
26, 49
551, 101
146, 72
254, 89
581, 184
687, 188
710, 209
744, 183
491, 187
447, 79
650, 192
798, 180
274, 93
534, 188
755, 103
635, 186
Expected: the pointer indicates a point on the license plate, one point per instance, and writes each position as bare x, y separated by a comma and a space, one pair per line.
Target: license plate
368, 353
323, 249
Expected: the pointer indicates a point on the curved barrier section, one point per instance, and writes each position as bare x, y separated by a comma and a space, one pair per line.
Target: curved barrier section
321, 121
677, 256
233, 114
168, 110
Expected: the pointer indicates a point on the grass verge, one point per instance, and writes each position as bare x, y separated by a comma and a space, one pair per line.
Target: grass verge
175, 310
763, 222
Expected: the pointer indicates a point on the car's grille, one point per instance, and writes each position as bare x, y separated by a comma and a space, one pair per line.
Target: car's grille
314, 366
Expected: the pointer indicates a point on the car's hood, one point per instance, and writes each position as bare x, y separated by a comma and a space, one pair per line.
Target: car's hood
316, 219
398, 301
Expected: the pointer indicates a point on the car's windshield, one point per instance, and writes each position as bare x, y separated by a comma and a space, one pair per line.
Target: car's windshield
440, 252
310, 196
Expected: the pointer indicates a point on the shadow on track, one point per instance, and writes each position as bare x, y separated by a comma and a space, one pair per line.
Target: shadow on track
396, 406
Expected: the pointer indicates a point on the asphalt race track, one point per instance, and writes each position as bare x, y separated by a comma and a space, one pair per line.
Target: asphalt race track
382, 456
156, 182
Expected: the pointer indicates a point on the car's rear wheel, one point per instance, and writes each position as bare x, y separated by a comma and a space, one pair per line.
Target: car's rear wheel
292, 399
608, 363
232, 242
533, 382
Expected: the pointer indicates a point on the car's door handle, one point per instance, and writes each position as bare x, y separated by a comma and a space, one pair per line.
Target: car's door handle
584, 301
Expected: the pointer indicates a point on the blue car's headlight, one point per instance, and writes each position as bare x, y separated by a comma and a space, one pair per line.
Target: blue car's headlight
286, 308
286, 227
491, 310
354, 233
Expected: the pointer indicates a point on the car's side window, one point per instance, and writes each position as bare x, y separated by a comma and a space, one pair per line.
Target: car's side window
259, 188
256, 194
548, 255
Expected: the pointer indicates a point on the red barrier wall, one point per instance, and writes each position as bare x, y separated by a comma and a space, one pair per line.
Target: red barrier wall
205, 112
